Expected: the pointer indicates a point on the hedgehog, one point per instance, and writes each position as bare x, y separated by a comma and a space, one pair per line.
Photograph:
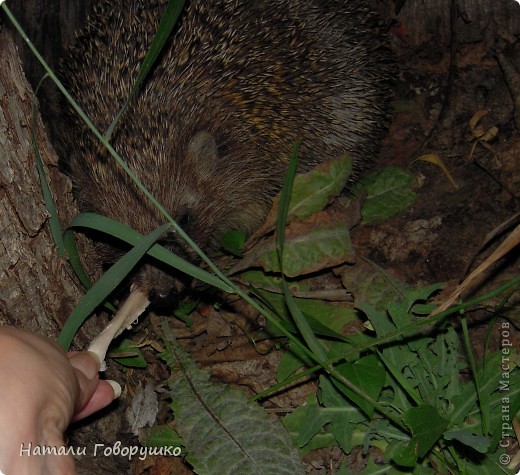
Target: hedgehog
209, 133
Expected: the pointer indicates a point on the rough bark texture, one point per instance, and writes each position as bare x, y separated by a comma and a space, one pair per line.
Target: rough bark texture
36, 291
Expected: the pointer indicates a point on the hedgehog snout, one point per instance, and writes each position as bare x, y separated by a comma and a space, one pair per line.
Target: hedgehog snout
164, 287
163, 299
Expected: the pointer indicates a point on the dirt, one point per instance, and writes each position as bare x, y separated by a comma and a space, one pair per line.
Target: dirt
441, 234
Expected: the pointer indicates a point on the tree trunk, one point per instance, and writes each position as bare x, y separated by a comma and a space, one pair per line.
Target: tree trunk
37, 291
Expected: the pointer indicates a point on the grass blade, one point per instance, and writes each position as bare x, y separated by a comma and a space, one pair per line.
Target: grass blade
285, 199
105, 285
132, 237
50, 205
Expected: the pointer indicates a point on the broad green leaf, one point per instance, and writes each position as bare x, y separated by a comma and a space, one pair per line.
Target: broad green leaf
370, 284
309, 251
403, 454
233, 242
331, 397
219, 428
367, 375
312, 191
326, 319
306, 421
291, 361
388, 191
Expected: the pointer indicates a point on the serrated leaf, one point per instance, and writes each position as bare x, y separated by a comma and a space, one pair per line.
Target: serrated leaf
388, 193
221, 431
477, 442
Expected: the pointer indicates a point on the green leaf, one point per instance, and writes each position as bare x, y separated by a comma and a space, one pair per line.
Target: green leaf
127, 353
128, 235
159, 436
318, 351
388, 193
325, 319
308, 251
403, 454
373, 468
291, 361
344, 415
427, 426
312, 191
368, 375
221, 431
306, 421
184, 309
370, 284
233, 242
477, 442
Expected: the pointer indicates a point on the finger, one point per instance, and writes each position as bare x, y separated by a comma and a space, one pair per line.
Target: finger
104, 394
86, 366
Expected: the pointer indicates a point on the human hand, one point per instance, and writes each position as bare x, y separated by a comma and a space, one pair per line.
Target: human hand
42, 390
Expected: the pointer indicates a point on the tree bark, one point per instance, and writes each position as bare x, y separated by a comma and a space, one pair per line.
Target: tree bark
37, 291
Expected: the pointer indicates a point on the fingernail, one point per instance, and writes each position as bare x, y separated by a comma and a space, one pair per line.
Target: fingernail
115, 386
95, 356
85, 363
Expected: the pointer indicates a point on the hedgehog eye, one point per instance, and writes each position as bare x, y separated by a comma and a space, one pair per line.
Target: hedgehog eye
184, 220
